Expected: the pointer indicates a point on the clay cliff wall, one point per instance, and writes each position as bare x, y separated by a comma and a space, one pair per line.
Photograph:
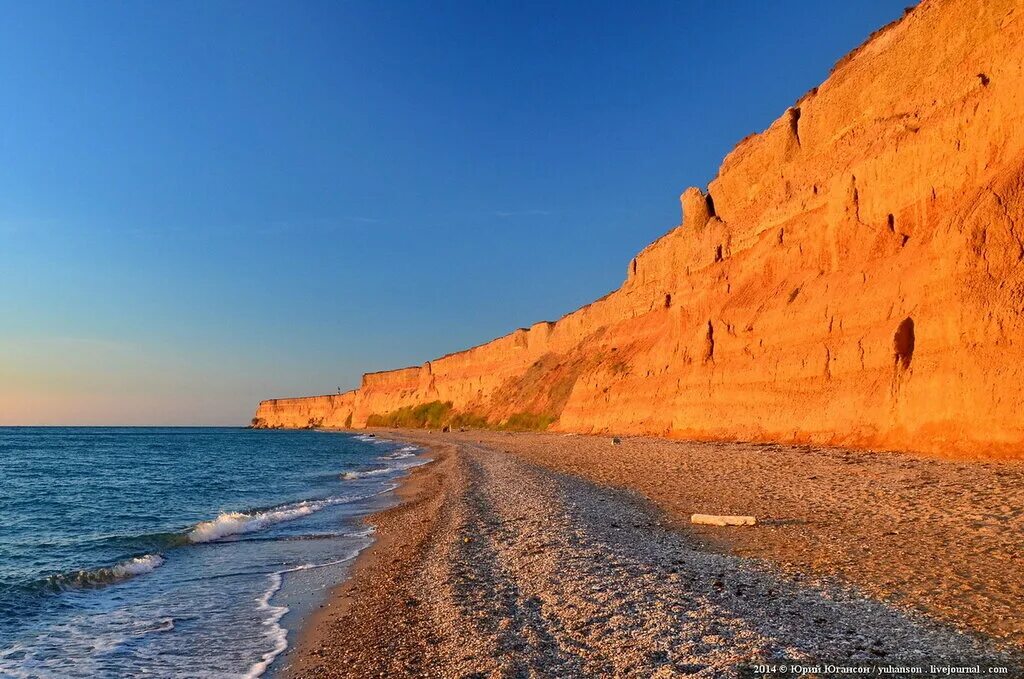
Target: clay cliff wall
851, 276
334, 410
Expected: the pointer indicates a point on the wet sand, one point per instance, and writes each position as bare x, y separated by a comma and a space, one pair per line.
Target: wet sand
553, 555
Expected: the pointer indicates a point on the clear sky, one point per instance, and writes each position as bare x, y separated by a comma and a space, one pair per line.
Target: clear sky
203, 204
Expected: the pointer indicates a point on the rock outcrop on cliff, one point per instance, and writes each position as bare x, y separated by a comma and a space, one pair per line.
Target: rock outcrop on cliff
852, 276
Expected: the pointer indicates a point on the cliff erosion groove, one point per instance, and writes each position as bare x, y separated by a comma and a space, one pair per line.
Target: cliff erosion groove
852, 276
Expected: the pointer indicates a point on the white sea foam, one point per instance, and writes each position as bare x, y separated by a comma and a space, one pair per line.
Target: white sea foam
278, 634
420, 461
137, 566
366, 438
365, 533
392, 459
398, 456
349, 476
164, 625
401, 453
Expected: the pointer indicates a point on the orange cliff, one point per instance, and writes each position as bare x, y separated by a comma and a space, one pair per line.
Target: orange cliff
852, 276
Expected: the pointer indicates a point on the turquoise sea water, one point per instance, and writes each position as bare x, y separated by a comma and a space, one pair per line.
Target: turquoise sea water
176, 552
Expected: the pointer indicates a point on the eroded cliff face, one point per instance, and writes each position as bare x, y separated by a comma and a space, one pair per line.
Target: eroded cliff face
852, 276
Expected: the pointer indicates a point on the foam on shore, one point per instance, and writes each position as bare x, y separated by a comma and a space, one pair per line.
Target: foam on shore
277, 633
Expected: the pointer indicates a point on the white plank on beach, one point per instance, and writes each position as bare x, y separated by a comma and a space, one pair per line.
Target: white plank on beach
723, 520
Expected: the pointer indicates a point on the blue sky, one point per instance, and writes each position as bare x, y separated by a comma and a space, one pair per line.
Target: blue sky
205, 204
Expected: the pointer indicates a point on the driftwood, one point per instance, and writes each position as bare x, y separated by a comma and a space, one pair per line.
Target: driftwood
722, 520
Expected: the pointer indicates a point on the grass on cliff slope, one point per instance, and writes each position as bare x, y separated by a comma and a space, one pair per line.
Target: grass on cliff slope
527, 422
438, 414
433, 415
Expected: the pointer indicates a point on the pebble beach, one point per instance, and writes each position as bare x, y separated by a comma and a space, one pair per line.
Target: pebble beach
554, 555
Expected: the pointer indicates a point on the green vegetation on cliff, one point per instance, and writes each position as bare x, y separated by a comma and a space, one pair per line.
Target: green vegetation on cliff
440, 414
433, 415
527, 422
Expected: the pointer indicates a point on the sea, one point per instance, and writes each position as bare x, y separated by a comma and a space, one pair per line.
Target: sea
177, 552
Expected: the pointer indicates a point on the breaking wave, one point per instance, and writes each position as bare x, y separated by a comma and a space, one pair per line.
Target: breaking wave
100, 577
238, 523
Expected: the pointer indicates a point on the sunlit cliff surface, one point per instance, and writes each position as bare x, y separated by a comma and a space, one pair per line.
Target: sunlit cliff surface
852, 276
